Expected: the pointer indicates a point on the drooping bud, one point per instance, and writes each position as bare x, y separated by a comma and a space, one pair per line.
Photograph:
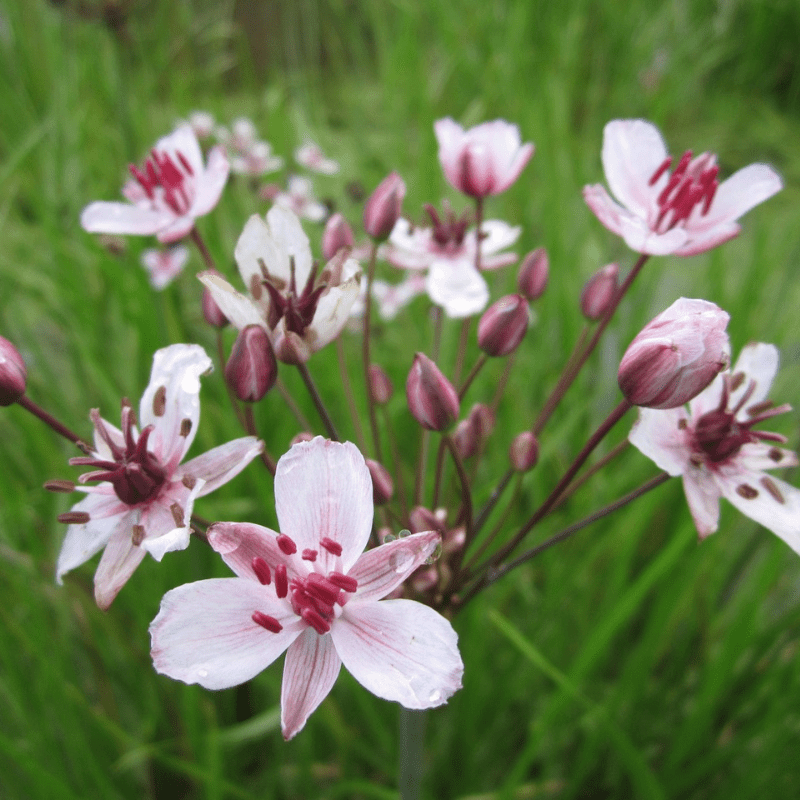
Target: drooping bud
251, 370
382, 484
423, 519
676, 355
383, 207
13, 373
503, 325
211, 311
337, 234
524, 451
472, 431
599, 291
431, 397
533, 274
380, 386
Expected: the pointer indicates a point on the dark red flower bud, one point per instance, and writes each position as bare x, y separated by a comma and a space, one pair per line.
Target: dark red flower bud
431, 397
337, 234
503, 325
384, 206
211, 311
524, 452
251, 370
303, 436
533, 274
472, 431
382, 483
599, 291
422, 519
13, 373
380, 386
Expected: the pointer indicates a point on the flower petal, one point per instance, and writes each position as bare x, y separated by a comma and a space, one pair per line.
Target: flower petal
758, 362
123, 218
323, 489
384, 568
333, 311
211, 182
240, 542
702, 495
457, 287
497, 235
738, 194
119, 560
658, 434
309, 672
240, 310
400, 650
221, 464
204, 632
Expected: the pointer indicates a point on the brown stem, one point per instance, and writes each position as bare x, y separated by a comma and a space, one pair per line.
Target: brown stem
330, 428
52, 422
195, 236
349, 396
472, 375
250, 427
293, 407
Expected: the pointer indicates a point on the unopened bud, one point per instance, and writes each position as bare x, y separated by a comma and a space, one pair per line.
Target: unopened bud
503, 325
211, 311
251, 370
533, 274
524, 451
13, 373
599, 291
380, 387
472, 431
337, 234
383, 207
303, 436
382, 484
423, 519
431, 397
675, 356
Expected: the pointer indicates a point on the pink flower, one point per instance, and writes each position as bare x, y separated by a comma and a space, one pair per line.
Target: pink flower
714, 447
299, 198
310, 591
448, 251
311, 157
171, 190
684, 212
145, 499
164, 265
301, 310
483, 160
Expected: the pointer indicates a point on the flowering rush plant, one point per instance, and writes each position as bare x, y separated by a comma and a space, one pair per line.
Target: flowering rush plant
377, 544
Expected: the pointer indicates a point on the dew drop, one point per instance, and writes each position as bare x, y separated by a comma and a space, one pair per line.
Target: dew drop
202, 673
435, 696
401, 560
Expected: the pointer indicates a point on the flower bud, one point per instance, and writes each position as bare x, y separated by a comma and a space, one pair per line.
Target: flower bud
211, 311
251, 370
472, 431
422, 519
503, 325
382, 483
380, 386
524, 451
337, 234
13, 373
599, 291
384, 206
675, 356
431, 397
533, 274
303, 436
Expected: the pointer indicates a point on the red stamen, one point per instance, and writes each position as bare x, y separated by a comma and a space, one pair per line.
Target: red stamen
261, 569
334, 548
185, 163
286, 544
266, 621
663, 167
281, 581
315, 621
321, 588
309, 555
343, 581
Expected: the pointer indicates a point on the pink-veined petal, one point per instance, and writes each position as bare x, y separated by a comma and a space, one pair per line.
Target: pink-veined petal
182, 140
240, 542
658, 434
604, 208
742, 191
513, 169
240, 310
171, 402
204, 632
400, 650
309, 672
117, 564
700, 243
221, 464
640, 238
384, 568
123, 218
211, 182
769, 501
323, 489
702, 495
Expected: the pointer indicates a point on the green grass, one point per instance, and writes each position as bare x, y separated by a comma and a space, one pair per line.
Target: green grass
627, 662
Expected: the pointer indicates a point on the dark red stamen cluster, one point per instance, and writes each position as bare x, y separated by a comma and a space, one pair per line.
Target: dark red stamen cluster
135, 473
162, 172
313, 596
718, 434
450, 232
693, 183
285, 303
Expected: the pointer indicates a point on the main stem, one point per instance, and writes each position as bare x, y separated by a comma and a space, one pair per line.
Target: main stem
330, 428
53, 423
373, 418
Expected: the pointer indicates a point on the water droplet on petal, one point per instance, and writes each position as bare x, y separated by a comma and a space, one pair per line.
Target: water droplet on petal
401, 560
202, 673
435, 696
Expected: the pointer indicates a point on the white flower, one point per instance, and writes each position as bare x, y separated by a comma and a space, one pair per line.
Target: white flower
164, 265
311, 157
310, 591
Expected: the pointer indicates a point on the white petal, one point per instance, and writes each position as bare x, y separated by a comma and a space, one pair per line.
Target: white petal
757, 456
498, 235
702, 495
333, 311
240, 310
759, 362
176, 539
458, 287
182, 140
742, 191
288, 235
204, 632
309, 672
323, 489
177, 369
210, 183
221, 464
400, 650
658, 434
256, 244
117, 564
123, 218
240, 542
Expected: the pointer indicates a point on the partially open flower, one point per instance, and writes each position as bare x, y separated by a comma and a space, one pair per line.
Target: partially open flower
13, 373
599, 291
431, 397
676, 355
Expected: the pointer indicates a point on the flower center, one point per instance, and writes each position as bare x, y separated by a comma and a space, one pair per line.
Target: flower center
134, 472
692, 184
719, 435
164, 180
313, 595
448, 233
285, 303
